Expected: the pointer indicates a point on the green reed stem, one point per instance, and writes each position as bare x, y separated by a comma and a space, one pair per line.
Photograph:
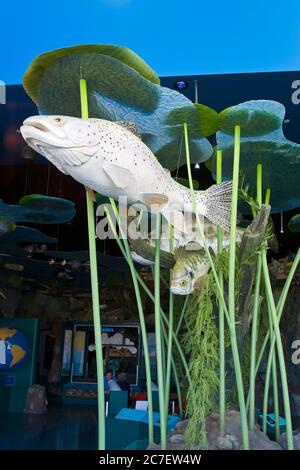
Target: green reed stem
281, 360
95, 291
169, 349
267, 376
158, 336
255, 312
127, 255
182, 315
275, 398
222, 385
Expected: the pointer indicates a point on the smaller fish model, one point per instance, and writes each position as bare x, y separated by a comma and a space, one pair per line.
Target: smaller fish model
189, 263
189, 272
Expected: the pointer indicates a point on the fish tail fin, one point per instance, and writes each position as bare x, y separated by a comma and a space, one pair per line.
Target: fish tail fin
218, 204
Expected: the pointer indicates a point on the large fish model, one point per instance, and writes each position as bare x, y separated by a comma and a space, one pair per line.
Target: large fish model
110, 158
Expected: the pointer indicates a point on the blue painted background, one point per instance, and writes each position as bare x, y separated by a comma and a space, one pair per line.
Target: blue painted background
175, 37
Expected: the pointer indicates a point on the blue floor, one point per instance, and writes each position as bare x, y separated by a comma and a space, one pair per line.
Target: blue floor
63, 428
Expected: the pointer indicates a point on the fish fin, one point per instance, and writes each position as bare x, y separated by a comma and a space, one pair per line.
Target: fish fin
120, 176
183, 250
147, 252
130, 126
217, 200
77, 157
154, 199
199, 284
90, 193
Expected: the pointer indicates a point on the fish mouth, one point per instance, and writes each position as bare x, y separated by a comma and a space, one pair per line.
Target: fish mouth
37, 134
177, 291
38, 131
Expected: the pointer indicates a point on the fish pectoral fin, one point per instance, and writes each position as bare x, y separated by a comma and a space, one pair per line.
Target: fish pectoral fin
121, 177
154, 199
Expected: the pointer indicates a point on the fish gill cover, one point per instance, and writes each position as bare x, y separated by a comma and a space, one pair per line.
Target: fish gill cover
262, 141
121, 86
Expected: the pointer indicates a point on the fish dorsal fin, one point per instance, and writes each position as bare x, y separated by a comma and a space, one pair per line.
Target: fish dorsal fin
130, 126
183, 251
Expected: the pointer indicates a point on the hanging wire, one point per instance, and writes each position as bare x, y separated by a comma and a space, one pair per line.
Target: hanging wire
48, 178
59, 195
179, 155
281, 223
196, 90
26, 181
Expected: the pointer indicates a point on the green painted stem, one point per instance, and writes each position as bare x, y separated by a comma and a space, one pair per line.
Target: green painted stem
254, 345
158, 336
231, 289
222, 384
267, 376
255, 312
275, 398
127, 255
169, 351
95, 291
281, 360
182, 315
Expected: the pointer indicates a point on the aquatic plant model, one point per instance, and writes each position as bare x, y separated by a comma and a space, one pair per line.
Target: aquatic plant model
106, 121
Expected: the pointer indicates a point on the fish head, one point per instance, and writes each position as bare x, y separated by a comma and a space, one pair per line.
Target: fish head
188, 273
63, 140
182, 282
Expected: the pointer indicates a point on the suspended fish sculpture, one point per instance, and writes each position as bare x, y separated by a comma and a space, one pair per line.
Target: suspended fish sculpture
110, 158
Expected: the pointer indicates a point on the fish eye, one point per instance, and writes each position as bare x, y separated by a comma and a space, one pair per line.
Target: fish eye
182, 283
58, 120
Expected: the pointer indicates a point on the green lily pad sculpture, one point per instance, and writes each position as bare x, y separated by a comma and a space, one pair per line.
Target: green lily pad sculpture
121, 87
39, 209
262, 141
10, 243
294, 224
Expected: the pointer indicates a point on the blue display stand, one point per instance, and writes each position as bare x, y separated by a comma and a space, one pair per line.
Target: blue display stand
142, 416
271, 424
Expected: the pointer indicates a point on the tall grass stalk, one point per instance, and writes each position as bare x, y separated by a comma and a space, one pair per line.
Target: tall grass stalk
222, 385
256, 303
95, 290
158, 336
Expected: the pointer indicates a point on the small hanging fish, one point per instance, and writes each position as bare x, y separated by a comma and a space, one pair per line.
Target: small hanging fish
189, 272
110, 158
